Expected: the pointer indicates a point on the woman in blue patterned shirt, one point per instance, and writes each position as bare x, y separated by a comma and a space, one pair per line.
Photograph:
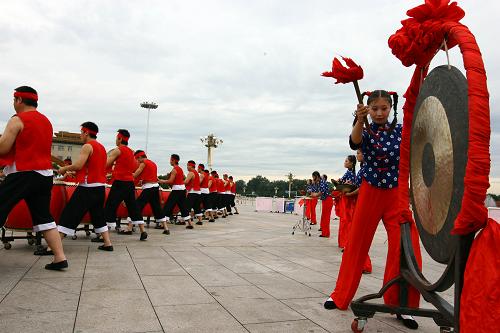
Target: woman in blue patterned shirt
321, 190
376, 199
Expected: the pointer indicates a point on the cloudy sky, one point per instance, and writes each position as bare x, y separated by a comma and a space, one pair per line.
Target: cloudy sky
248, 71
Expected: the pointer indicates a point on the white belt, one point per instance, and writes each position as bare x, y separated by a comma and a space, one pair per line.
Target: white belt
228, 192
205, 190
195, 192
178, 187
149, 185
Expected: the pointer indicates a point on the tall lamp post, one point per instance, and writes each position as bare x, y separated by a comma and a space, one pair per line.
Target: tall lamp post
276, 191
148, 106
210, 141
290, 181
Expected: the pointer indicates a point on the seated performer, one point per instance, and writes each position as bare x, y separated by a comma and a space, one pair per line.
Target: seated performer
89, 195
178, 194
212, 186
376, 199
346, 203
320, 189
25, 150
233, 195
123, 188
204, 189
147, 176
193, 188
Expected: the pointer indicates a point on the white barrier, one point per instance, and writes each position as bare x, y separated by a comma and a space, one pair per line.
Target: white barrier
264, 204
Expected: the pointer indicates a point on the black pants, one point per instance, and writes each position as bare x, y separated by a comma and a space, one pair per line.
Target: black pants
221, 198
36, 190
194, 203
122, 191
213, 197
84, 199
205, 199
176, 197
233, 202
227, 201
151, 196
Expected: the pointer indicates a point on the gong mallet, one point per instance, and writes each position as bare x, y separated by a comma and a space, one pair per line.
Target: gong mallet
352, 73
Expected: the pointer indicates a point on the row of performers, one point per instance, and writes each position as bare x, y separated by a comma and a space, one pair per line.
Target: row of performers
368, 197
25, 151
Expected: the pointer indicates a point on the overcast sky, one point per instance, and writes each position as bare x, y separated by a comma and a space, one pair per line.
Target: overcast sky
248, 71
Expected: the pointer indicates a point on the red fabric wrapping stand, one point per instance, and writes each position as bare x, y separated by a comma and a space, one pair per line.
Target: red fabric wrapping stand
479, 310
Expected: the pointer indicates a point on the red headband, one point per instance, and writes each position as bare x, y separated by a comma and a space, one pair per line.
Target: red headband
140, 154
89, 131
26, 95
122, 137
191, 164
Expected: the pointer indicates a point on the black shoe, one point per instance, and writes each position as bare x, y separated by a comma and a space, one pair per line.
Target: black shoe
106, 248
57, 266
125, 232
189, 227
319, 229
97, 239
224, 216
230, 214
166, 232
199, 223
330, 305
144, 236
43, 252
236, 213
323, 236
408, 322
211, 220
158, 226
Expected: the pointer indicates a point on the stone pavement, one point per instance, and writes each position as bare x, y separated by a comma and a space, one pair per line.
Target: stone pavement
243, 274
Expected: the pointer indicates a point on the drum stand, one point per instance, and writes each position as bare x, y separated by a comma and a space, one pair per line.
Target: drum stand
303, 224
32, 239
446, 315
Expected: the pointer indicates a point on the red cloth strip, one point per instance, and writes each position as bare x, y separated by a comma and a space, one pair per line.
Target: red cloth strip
89, 131
26, 95
121, 137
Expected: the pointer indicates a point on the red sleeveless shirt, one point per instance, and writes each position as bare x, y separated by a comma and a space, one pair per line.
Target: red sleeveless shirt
150, 172
94, 170
125, 165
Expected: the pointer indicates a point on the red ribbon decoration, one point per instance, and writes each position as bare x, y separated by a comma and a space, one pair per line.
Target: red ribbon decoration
89, 131
26, 95
353, 72
192, 165
140, 154
122, 137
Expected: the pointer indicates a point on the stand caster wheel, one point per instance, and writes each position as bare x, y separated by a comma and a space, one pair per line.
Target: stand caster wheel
87, 233
293, 232
74, 237
358, 325
445, 330
31, 241
309, 235
7, 246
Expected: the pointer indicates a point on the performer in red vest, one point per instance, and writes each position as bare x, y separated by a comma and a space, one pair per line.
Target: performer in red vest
146, 175
227, 194
123, 188
69, 176
193, 188
205, 192
178, 194
212, 186
221, 196
25, 150
233, 194
89, 195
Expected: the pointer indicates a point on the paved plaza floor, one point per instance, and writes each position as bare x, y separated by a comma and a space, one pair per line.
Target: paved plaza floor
243, 274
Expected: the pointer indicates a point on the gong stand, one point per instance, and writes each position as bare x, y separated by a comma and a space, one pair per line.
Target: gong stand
445, 315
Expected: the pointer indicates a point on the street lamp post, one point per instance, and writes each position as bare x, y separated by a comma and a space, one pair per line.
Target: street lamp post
210, 141
290, 180
276, 191
149, 106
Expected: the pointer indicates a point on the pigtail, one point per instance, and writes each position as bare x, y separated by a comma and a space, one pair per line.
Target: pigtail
395, 106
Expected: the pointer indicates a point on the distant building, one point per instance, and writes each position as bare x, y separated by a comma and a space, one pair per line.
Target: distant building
66, 145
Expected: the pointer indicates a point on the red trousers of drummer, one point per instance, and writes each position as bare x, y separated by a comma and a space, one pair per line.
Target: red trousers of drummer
374, 204
347, 206
311, 209
326, 213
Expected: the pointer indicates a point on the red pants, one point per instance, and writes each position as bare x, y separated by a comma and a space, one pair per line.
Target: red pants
311, 209
374, 204
326, 213
347, 205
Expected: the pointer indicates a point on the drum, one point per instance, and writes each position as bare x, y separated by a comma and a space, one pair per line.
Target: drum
20, 216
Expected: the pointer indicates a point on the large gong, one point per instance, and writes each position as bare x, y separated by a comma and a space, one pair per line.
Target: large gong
438, 157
